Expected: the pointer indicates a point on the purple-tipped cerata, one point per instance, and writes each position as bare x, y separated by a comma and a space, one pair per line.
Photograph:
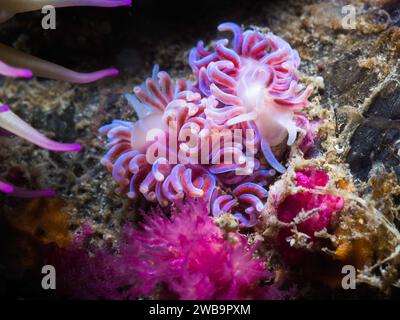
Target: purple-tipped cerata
10, 122
14, 63
198, 169
8, 71
19, 6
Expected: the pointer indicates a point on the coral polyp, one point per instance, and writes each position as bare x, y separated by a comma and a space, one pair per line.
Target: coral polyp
213, 264
185, 257
304, 212
254, 80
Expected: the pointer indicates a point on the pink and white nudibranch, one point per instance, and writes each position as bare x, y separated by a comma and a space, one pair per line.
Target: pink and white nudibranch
252, 86
254, 80
173, 107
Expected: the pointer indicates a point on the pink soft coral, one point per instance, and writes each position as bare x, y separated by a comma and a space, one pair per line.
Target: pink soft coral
185, 256
189, 257
319, 210
85, 271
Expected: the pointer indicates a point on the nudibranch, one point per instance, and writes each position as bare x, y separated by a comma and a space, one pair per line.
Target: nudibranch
173, 108
14, 63
251, 87
11, 123
255, 79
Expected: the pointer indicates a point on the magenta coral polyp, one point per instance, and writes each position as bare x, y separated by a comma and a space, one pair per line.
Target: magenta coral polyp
190, 257
318, 210
185, 256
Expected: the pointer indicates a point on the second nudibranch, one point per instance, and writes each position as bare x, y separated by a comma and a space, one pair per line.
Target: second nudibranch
255, 79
